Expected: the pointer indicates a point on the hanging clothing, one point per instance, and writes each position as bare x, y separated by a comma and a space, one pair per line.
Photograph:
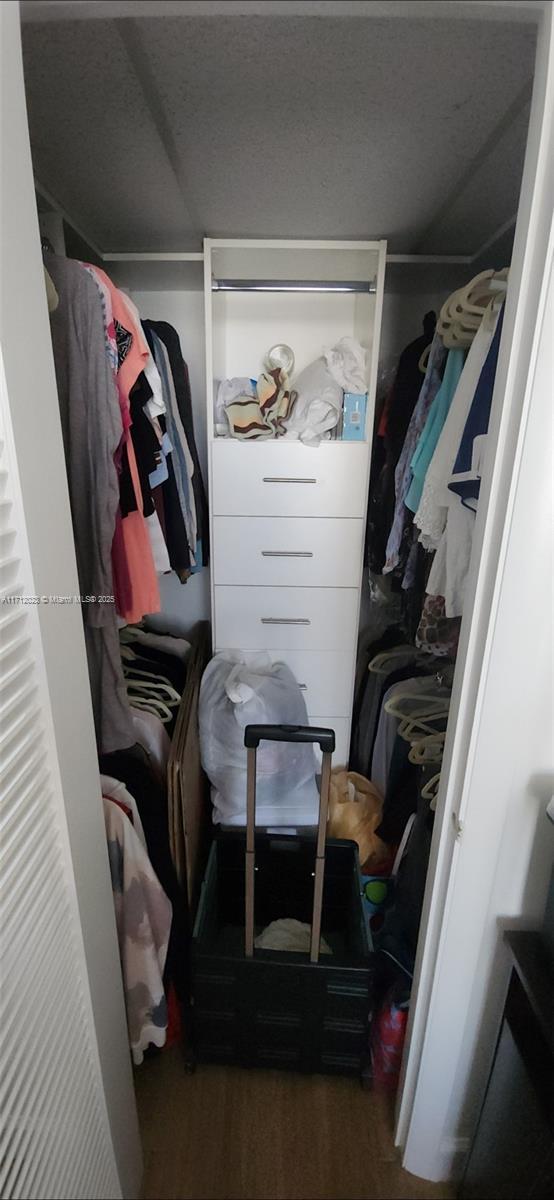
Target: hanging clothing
406, 389
133, 355
178, 495
144, 439
402, 790
403, 666
466, 474
403, 473
109, 324
388, 443
181, 380
182, 461
437, 634
91, 417
155, 405
139, 556
114, 789
158, 544
431, 514
152, 736
365, 712
167, 643
412, 690
132, 767
402, 920
433, 427
143, 919
449, 572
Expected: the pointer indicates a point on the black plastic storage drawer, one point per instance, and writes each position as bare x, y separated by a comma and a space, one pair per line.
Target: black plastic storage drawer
278, 1009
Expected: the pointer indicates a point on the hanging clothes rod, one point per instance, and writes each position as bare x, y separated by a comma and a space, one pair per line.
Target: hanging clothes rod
362, 286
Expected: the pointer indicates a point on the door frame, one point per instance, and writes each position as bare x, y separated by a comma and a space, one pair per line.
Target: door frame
38, 448
458, 983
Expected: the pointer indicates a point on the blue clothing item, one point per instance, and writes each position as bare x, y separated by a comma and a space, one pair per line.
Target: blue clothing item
432, 430
403, 472
161, 473
466, 476
199, 558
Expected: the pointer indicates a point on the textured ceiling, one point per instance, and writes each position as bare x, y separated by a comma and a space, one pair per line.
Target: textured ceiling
152, 132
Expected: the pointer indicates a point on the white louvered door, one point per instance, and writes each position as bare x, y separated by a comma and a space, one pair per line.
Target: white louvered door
55, 1137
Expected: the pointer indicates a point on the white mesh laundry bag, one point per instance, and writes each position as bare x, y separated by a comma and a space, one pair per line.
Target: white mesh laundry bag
239, 690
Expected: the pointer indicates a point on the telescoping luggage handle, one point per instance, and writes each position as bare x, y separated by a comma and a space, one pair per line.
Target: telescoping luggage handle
253, 735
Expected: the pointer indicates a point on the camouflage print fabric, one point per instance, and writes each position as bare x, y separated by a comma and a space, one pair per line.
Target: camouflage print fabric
143, 917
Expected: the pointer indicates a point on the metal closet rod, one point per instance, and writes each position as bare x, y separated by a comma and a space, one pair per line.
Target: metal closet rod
362, 286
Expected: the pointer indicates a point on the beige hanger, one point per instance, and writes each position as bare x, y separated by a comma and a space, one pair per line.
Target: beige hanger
426, 702
377, 664
449, 327
474, 297
430, 790
414, 728
463, 311
456, 337
424, 360
428, 749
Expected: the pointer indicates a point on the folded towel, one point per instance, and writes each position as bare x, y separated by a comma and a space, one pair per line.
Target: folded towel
262, 416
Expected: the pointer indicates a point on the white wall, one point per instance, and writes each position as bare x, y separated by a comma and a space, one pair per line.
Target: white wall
252, 322
498, 768
27, 350
403, 315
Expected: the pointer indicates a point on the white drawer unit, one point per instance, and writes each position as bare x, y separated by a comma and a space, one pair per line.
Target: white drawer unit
287, 519
286, 551
325, 677
286, 479
341, 726
263, 618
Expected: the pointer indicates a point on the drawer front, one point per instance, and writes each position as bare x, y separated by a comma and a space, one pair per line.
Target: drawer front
287, 479
285, 618
286, 551
325, 677
341, 726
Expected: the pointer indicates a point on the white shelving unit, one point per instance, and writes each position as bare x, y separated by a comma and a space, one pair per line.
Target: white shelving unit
281, 512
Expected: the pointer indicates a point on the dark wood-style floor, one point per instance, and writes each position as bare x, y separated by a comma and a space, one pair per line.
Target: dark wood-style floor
229, 1134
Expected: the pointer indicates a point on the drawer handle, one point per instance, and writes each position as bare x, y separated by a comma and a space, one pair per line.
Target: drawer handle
285, 479
287, 554
285, 621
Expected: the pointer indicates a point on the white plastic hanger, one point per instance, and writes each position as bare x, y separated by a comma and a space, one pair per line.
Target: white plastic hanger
378, 664
143, 683
413, 728
424, 360
149, 704
463, 311
427, 749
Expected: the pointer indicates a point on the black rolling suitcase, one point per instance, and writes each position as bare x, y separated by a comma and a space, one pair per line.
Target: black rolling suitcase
267, 1008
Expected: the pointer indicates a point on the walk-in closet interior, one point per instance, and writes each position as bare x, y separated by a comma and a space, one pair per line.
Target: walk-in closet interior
277, 247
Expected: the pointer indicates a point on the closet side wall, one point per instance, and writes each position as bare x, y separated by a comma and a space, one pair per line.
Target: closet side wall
27, 350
